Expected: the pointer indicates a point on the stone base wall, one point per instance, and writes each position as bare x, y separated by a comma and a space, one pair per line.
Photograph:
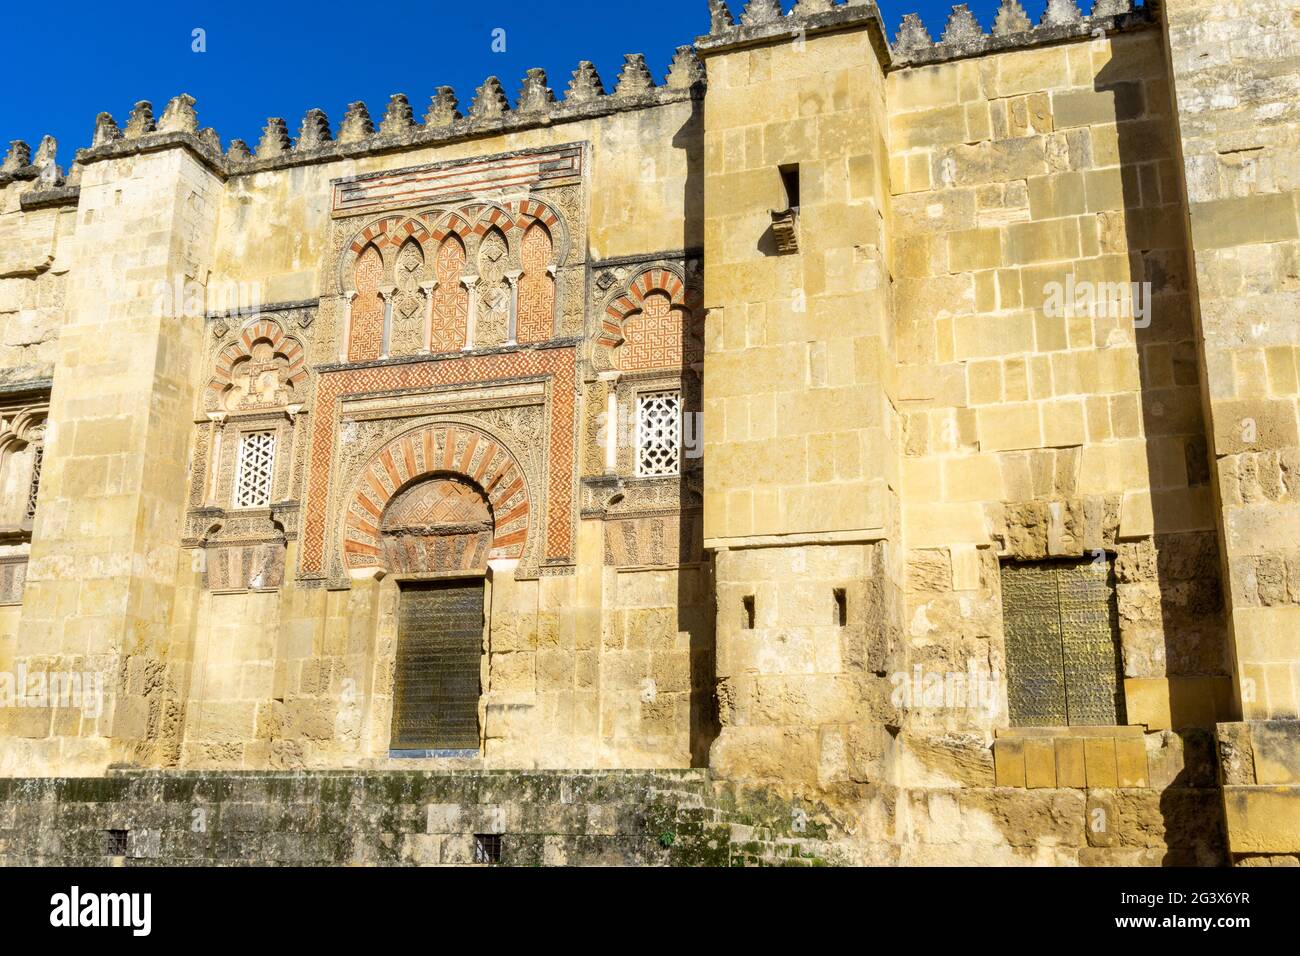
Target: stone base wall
606, 818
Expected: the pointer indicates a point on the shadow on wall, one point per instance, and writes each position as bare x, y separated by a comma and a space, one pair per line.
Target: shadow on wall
696, 611
1179, 632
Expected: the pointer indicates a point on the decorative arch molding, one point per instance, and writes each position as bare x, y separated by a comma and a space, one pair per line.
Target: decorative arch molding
449, 223
260, 329
389, 233
442, 449
631, 299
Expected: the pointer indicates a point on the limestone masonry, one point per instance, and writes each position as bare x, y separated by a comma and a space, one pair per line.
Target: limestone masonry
841, 451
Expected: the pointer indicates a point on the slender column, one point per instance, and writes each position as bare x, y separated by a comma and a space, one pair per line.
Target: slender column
471, 284
512, 323
428, 288
345, 339
386, 293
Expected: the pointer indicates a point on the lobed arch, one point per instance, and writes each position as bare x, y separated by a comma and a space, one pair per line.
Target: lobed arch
258, 330
388, 233
438, 450
631, 300
448, 224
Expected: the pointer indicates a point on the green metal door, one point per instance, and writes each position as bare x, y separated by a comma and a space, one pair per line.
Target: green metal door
1063, 661
439, 649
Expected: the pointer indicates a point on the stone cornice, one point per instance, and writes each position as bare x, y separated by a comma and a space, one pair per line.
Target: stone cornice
754, 31
965, 38
684, 84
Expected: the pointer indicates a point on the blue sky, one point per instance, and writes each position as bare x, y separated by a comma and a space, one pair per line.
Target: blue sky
68, 62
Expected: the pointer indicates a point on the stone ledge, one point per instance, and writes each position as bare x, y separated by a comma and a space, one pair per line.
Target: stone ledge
1262, 819
43, 198
964, 38
726, 36
200, 144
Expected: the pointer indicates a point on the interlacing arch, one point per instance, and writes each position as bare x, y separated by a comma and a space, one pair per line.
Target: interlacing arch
440, 449
385, 234
259, 330
653, 280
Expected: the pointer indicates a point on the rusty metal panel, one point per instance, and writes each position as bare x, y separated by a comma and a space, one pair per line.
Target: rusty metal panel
439, 648
1032, 625
1089, 629
1062, 648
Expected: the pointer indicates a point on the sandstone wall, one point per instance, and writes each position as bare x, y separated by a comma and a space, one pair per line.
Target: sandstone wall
801, 463
1235, 70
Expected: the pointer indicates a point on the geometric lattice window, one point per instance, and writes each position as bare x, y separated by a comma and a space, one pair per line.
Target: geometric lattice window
1063, 658
253, 475
38, 453
658, 434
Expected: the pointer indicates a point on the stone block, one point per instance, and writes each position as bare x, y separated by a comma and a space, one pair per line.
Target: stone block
1099, 762
1040, 763
1262, 819
1009, 762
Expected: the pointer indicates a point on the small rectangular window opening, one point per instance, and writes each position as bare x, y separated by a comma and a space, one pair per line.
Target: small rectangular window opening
115, 842
841, 607
487, 848
790, 180
748, 604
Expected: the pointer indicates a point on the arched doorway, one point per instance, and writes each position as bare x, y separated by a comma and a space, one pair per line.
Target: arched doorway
441, 525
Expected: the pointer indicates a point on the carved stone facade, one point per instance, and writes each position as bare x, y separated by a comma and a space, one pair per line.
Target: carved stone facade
737, 421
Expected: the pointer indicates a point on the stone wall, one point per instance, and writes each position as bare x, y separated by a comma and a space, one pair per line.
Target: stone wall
611, 818
945, 307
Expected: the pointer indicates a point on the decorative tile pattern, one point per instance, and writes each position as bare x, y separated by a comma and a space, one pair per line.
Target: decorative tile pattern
239, 368
450, 298
406, 337
652, 338
366, 334
557, 364
494, 292
515, 171
485, 465
536, 319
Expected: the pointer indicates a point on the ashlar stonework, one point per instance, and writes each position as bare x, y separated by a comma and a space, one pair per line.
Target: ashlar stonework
915, 458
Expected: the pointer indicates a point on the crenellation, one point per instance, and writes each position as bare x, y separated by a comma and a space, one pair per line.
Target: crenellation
179, 116
720, 18
1012, 30
761, 12
106, 130
912, 36
399, 117
686, 71
634, 79
314, 132
238, 152
210, 140
1061, 12
443, 109
275, 138
356, 123
534, 95
585, 85
140, 122
1011, 19
489, 101
18, 157
962, 27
